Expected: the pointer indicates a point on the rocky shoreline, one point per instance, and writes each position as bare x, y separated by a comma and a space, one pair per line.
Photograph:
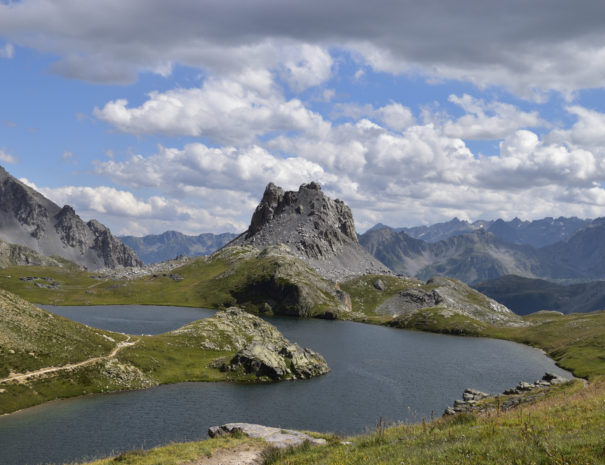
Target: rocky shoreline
522, 393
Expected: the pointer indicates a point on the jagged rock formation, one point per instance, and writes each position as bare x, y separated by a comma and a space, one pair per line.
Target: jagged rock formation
314, 227
155, 248
29, 219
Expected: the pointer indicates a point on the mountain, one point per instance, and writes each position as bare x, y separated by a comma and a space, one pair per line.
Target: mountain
537, 233
581, 256
525, 295
315, 228
18, 255
483, 255
440, 231
29, 219
166, 246
468, 257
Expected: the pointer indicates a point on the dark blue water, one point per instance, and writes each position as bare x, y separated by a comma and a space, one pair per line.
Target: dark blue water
376, 372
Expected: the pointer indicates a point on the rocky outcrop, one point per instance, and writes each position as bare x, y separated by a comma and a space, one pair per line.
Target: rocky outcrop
277, 437
278, 361
315, 228
524, 392
262, 350
29, 219
448, 297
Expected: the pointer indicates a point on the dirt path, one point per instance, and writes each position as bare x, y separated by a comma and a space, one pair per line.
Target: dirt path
242, 455
44, 371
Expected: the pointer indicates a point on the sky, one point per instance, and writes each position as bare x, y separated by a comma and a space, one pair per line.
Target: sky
151, 115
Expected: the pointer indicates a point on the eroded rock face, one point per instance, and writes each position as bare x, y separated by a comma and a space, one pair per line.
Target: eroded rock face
314, 227
29, 219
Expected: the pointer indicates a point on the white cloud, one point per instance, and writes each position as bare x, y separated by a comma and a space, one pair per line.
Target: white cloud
7, 51
307, 66
394, 115
223, 110
494, 120
246, 170
125, 214
6, 157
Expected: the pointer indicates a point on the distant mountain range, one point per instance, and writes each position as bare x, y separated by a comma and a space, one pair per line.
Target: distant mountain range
537, 233
166, 246
526, 295
42, 228
484, 254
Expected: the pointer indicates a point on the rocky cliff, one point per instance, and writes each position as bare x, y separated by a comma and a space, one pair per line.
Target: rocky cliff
315, 228
29, 219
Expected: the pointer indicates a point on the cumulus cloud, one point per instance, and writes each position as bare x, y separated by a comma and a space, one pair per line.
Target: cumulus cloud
394, 115
223, 110
6, 157
126, 214
197, 165
494, 120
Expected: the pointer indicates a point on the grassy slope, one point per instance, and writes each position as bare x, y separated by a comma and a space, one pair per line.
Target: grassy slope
233, 276
32, 338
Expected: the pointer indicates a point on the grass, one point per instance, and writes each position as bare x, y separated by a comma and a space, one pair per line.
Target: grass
281, 284
566, 428
575, 341
179, 453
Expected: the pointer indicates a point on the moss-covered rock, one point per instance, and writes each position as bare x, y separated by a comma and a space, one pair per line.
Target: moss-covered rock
262, 350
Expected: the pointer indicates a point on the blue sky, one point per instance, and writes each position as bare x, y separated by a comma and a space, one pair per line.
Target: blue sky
152, 115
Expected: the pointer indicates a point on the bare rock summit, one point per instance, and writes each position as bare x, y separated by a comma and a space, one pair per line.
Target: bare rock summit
314, 227
29, 219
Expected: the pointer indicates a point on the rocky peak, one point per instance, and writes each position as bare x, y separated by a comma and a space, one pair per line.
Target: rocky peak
29, 219
318, 229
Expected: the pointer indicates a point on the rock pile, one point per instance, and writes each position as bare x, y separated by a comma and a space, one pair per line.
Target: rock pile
515, 396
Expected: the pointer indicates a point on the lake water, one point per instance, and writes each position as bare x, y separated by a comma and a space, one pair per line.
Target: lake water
376, 372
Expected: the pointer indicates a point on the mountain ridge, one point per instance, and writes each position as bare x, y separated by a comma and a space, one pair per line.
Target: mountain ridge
155, 248
29, 219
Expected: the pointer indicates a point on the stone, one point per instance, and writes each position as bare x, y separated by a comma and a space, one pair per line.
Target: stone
277, 437
262, 350
379, 284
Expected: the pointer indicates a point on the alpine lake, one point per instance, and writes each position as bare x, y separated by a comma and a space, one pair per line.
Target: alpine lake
378, 374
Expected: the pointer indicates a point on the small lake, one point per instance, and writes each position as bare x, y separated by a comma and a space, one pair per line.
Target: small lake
376, 372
